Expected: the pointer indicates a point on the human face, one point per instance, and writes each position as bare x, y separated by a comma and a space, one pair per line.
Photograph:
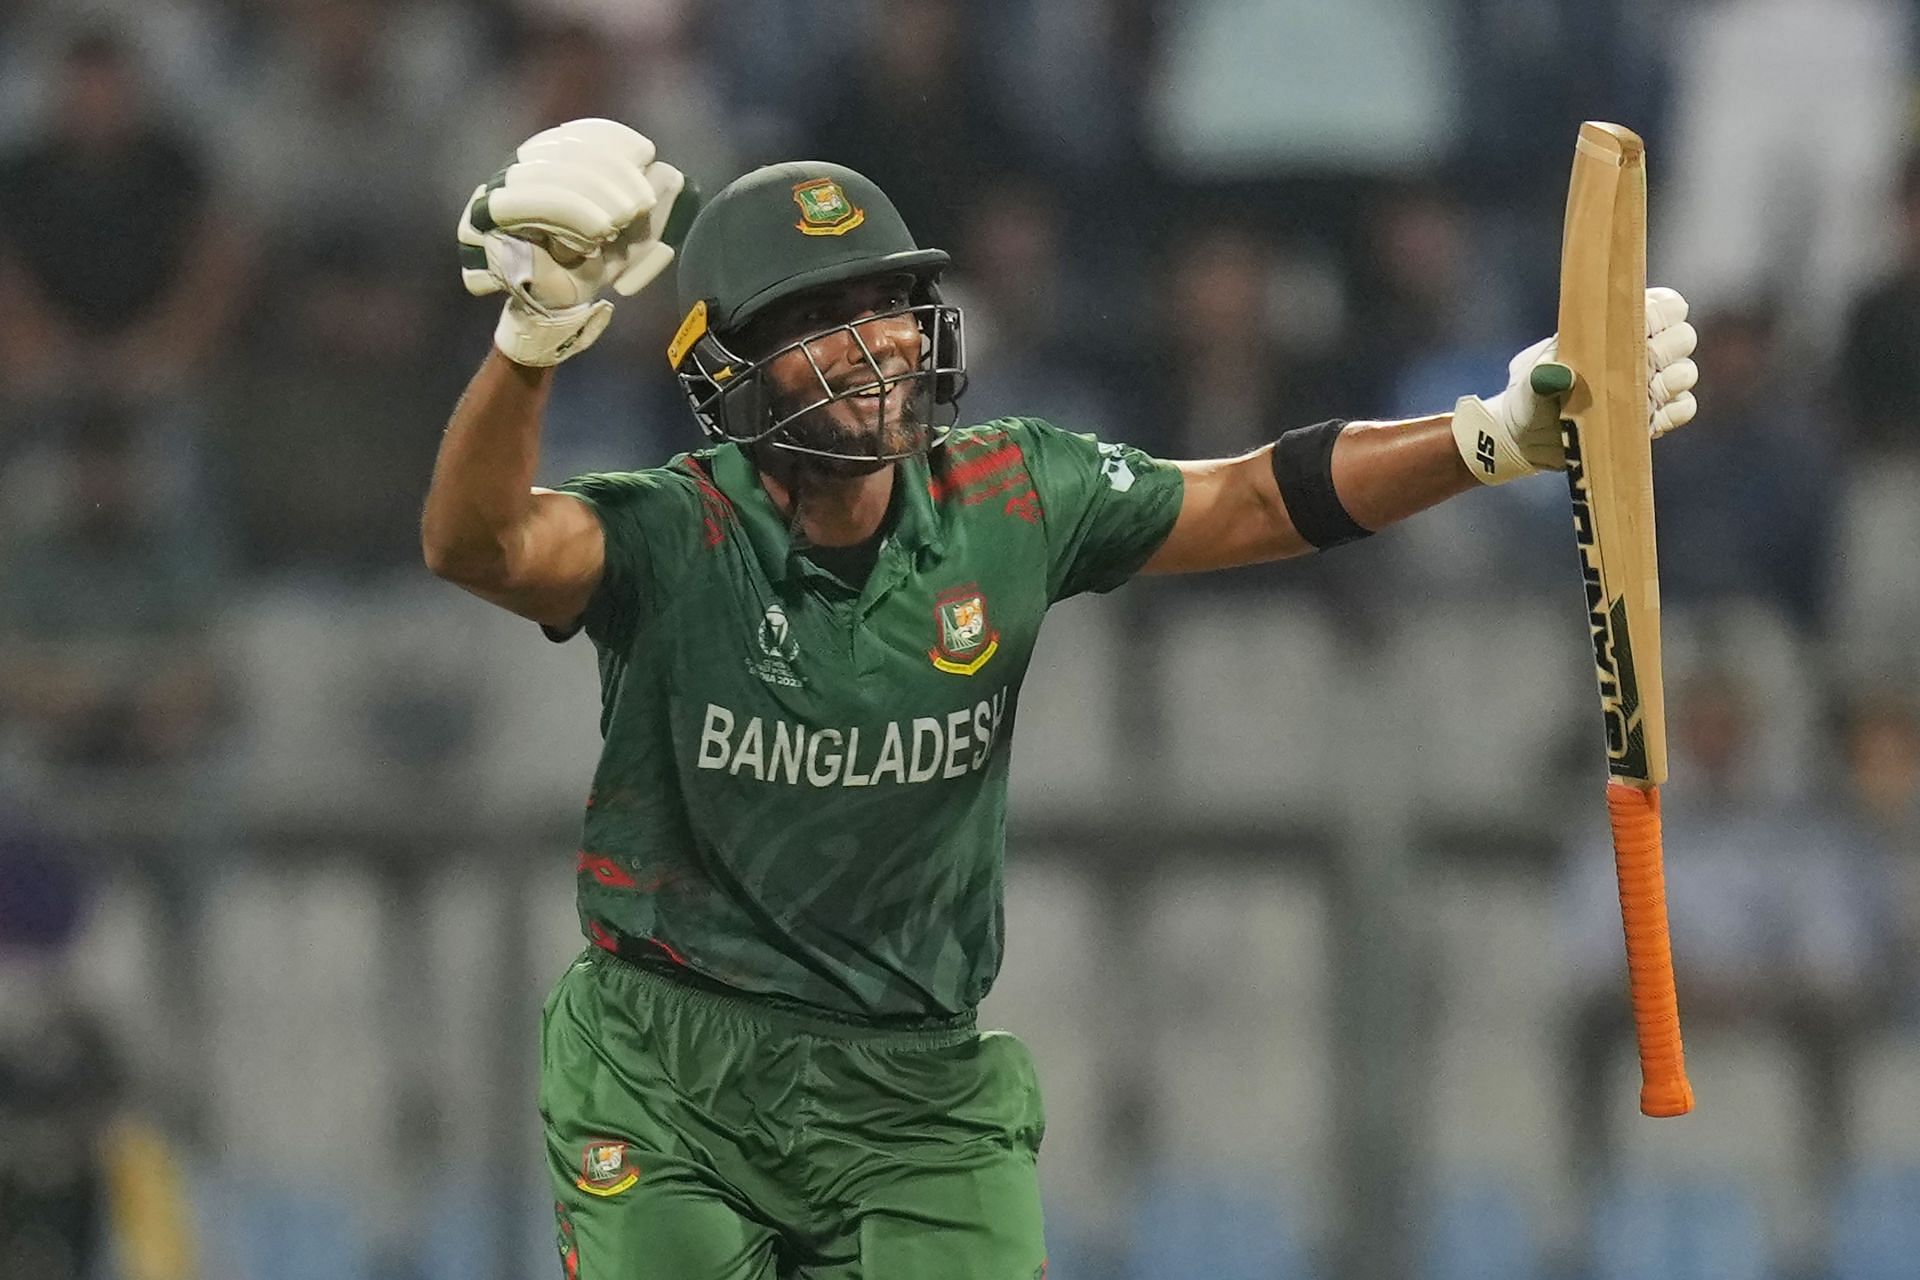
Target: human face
851, 346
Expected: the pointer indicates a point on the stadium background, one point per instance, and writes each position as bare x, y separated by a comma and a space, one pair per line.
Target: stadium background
1310, 920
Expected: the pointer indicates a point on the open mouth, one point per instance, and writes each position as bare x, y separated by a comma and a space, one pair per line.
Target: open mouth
896, 392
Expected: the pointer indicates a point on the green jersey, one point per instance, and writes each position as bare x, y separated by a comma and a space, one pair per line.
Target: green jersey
801, 791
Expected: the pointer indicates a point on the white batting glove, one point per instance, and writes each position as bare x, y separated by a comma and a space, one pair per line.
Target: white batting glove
581, 206
1518, 431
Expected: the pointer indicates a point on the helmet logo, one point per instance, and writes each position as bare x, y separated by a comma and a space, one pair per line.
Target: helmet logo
825, 209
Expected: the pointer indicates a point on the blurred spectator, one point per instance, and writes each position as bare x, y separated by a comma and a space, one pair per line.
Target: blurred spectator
21, 64
562, 69
1773, 909
908, 109
1746, 497
57, 1086
1361, 87
328, 423
1032, 348
87, 1187
188, 51
106, 591
1789, 123
1435, 318
334, 132
624, 408
617, 21
1883, 785
1765, 894
328, 432
117, 268
770, 59
556, 72
1530, 92
1078, 85
1221, 379
1876, 608
1881, 348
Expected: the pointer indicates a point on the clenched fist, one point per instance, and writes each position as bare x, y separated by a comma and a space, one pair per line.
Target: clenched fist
582, 206
1518, 431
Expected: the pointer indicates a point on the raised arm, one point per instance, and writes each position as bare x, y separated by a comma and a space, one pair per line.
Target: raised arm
582, 206
485, 528
1345, 481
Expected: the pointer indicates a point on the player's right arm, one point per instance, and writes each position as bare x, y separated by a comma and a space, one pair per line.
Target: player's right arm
580, 207
486, 528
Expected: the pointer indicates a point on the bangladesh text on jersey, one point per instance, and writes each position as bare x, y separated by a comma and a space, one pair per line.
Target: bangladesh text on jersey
801, 791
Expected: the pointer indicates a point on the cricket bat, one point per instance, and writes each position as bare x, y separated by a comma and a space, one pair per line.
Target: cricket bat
1604, 426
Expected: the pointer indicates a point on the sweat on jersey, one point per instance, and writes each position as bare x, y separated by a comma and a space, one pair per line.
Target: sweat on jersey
801, 791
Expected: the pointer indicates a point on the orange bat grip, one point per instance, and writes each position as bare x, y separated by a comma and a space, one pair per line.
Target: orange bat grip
1635, 814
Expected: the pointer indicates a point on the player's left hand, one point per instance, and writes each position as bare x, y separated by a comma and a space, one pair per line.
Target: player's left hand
1518, 432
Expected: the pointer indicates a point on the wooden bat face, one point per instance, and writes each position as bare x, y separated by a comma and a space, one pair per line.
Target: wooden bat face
1603, 338
1610, 627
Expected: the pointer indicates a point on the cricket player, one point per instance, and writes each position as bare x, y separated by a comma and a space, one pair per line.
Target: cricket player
811, 639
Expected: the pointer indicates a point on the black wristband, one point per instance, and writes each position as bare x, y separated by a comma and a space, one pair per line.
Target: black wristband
1303, 466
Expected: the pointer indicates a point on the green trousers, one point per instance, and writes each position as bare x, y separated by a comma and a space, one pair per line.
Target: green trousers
695, 1136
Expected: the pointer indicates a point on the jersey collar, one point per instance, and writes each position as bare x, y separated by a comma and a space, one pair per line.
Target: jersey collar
916, 529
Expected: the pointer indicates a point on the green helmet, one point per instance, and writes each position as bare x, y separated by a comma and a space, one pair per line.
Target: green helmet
776, 232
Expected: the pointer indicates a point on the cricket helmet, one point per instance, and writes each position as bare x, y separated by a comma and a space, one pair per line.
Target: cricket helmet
780, 231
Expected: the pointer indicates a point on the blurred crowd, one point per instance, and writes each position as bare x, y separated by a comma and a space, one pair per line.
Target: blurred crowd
230, 330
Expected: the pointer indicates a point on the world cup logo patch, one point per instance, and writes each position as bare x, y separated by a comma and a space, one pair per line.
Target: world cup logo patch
779, 650
965, 642
605, 1169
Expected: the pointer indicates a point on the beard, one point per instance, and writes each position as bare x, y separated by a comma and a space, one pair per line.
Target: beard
863, 434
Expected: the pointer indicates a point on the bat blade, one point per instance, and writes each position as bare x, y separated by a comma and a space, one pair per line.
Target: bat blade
1603, 338
1604, 426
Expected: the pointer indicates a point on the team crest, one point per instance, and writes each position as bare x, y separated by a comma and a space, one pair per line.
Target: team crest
825, 209
966, 642
604, 1168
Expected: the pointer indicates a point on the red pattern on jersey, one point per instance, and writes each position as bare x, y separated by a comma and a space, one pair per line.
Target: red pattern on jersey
1025, 505
604, 870
962, 475
716, 511
983, 467
568, 1240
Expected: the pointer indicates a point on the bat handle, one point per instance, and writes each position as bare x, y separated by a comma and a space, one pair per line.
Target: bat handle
1635, 816
1551, 379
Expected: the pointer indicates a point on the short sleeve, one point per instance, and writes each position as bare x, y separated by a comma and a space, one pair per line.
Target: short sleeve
1106, 507
632, 506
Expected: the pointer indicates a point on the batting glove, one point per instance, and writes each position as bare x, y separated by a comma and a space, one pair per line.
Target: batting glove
1518, 431
581, 206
